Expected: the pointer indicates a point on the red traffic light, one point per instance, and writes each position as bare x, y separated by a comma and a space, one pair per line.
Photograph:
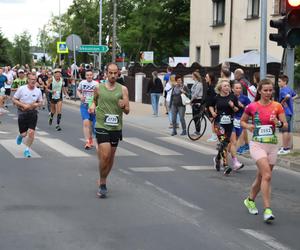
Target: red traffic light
294, 3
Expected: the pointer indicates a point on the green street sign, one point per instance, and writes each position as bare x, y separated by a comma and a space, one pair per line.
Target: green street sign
93, 48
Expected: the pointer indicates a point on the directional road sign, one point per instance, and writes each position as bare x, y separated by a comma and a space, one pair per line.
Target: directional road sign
93, 48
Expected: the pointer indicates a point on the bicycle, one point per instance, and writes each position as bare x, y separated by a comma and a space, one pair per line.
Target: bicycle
197, 125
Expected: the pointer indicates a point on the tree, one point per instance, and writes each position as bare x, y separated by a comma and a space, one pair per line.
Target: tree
21, 51
5, 48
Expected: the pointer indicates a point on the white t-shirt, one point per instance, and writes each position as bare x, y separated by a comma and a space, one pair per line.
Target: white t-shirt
28, 96
87, 89
10, 78
168, 89
253, 91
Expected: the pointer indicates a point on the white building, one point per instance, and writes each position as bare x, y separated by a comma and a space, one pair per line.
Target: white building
221, 29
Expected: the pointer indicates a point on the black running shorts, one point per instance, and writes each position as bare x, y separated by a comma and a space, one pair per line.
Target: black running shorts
27, 120
112, 137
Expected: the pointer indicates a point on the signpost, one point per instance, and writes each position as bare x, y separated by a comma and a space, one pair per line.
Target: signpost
93, 48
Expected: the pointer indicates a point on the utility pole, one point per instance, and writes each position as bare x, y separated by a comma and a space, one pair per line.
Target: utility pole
59, 29
114, 31
263, 39
100, 32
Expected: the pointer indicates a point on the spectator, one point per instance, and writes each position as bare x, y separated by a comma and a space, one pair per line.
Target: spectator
240, 76
155, 88
286, 97
252, 89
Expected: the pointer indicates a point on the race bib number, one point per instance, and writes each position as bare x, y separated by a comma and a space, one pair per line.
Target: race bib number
225, 119
236, 123
265, 130
111, 120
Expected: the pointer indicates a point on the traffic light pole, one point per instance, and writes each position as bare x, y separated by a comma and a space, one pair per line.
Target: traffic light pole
263, 40
290, 62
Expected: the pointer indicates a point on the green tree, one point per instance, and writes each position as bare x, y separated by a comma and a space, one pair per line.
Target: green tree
5, 49
21, 49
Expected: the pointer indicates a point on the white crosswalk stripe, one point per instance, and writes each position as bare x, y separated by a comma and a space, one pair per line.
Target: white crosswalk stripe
152, 169
4, 132
17, 150
189, 145
63, 148
154, 148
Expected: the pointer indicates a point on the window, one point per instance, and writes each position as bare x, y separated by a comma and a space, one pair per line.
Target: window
253, 9
276, 7
219, 12
198, 54
215, 54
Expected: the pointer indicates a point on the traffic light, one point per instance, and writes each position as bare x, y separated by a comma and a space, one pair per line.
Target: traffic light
279, 37
293, 23
288, 26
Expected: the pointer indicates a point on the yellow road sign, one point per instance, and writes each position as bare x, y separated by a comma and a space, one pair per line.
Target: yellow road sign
62, 48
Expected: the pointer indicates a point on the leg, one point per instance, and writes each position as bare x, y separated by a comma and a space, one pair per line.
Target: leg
30, 138
153, 102
181, 110
174, 118
265, 170
157, 96
58, 110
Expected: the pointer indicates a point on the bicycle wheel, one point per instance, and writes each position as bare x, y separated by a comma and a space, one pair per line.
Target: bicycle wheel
199, 122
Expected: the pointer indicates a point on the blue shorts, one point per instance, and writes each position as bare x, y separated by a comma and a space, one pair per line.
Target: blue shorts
289, 129
237, 128
85, 115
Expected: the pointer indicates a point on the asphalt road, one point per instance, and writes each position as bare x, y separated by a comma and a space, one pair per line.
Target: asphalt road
162, 195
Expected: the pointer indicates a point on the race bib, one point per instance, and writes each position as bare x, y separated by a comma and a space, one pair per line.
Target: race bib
111, 120
225, 119
237, 123
265, 130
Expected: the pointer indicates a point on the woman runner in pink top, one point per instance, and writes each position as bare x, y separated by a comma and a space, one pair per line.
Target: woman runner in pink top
266, 115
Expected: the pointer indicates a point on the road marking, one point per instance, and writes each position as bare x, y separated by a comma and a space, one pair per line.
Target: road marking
11, 114
150, 146
17, 150
189, 145
63, 148
124, 171
196, 168
178, 199
42, 133
120, 151
152, 169
266, 239
4, 132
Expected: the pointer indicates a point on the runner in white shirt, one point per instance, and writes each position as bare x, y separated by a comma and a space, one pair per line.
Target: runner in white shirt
85, 92
27, 98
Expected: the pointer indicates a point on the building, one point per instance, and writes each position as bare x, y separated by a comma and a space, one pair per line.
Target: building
38, 54
221, 29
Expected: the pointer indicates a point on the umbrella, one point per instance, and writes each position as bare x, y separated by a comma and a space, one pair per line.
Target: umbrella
251, 58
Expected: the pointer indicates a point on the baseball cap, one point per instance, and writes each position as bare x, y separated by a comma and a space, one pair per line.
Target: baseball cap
57, 70
21, 71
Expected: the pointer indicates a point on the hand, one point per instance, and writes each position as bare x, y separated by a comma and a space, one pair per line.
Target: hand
121, 104
25, 107
91, 110
250, 127
231, 104
240, 104
214, 114
82, 98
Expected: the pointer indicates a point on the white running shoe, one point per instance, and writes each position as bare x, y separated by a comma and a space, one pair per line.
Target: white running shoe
213, 138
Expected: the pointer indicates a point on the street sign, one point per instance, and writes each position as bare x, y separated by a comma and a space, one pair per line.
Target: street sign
93, 48
62, 48
73, 42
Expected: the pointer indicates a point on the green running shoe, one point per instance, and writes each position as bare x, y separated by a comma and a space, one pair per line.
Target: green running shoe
251, 206
268, 215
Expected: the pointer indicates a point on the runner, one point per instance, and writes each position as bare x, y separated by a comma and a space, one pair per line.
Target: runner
243, 101
85, 92
27, 98
222, 109
110, 102
55, 95
20, 81
10, 79
41, 84
266, 115
3, 82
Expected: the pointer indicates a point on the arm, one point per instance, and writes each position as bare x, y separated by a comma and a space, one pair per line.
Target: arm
94, 104
244, 122
124, 103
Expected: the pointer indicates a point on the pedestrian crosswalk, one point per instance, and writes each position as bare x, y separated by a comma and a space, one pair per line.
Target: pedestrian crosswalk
129, 147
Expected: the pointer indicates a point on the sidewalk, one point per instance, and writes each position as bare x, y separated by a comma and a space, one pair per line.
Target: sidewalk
141, 116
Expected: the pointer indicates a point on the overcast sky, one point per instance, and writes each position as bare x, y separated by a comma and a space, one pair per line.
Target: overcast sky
20, 15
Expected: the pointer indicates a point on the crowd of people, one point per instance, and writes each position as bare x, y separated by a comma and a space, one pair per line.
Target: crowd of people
234, 106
